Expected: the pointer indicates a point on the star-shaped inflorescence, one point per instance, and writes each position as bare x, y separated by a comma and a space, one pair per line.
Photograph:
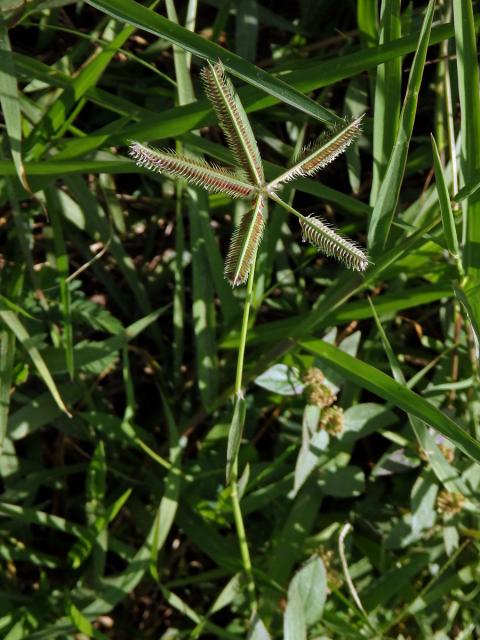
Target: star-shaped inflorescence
248, 181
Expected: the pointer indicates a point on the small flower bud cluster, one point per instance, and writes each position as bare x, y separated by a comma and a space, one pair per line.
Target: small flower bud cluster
320, 395
450, 503
331, 419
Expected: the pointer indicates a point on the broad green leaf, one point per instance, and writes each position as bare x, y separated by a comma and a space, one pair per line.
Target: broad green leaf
314, 445
344, 482
281, 379
258, 630
311, 583
294, 625
423, 498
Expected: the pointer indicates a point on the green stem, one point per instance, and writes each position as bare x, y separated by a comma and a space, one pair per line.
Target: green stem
244, 330
237, 512
275, 198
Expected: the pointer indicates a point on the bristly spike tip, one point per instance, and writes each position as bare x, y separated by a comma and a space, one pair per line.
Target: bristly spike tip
233, 120
331, 243
197, 172
316, 156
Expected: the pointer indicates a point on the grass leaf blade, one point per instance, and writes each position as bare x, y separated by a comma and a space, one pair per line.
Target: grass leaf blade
448, 220
135, 13
389, 192
377, 382
16, 327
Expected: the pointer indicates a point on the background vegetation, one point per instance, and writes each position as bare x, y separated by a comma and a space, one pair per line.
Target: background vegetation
119, 334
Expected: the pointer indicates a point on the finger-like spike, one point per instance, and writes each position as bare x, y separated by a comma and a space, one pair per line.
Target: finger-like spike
233, 120
244, 244
331, 243
328, 147
197, 172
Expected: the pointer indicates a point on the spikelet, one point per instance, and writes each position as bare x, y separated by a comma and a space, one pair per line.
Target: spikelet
244, 244
331, 243
315, 157
233, 120
197, 172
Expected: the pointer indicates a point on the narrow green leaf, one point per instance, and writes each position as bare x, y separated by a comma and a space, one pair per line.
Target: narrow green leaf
389, 192
87, 78
468, 91
14, 324
10, 102
445, 472
377, 382
169, 503
388, 84
134, 13
235, 434
203, 307
468, 189
448, 220
367, 21
7, 355
54, 209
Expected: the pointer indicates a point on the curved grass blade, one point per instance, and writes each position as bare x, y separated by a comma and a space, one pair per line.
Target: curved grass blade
10, 102
17, 328
467, 71
7, 358
445, 472
197, 172
328, 147
374, 380
448, 220
134, 13
244, 243
388, 85
233, 120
